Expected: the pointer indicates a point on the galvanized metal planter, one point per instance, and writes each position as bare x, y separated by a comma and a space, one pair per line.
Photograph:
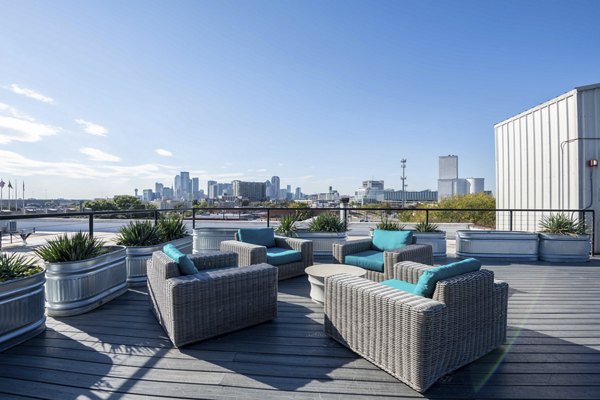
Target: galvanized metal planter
210, 238
137, 256
323, 242
21, 310
564, 248
437, 240
497, 244
77, 287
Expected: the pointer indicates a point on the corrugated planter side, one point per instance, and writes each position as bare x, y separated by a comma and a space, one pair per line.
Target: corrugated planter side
137, 256
323, 242
497, 244
211, 238
21, 310
437, 240
77, 287
564, 248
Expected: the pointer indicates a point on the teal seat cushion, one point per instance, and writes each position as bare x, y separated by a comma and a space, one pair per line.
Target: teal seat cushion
370, 259
399, 284
279, 256
426, 283
391, 240
186, 265
259, 236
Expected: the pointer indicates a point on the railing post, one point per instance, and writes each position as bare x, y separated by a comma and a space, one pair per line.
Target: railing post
91, 225
155, 217
268, 217
510, 220
427, 216
193, 218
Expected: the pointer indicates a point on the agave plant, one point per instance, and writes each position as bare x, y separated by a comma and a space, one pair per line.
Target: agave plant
171, 228
71, 248
426, 227
562, 224
287, 226
139, 233
387, 225
327, 222
15, 266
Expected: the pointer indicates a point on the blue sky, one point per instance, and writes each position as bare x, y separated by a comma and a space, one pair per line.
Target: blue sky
99, 98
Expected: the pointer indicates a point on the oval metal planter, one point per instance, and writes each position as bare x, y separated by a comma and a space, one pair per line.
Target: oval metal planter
211, 238
77, 287
564, 248
323, 242
137, 256
497, 244
437, 240
21, 310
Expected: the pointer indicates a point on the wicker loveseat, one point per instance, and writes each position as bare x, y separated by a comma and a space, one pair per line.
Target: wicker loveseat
214, 301
275, 250
418, 339
367, 249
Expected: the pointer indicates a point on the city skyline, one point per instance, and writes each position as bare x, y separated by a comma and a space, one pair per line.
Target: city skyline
98, 98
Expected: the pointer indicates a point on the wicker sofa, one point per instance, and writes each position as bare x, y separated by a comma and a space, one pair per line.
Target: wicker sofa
214, 301
421, 253
417, 339
249, 254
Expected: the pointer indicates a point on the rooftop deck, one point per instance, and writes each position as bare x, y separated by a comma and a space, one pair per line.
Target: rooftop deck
120, 351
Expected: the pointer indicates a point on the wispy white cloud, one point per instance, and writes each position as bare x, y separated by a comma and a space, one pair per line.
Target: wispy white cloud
257, 170
163, 152
32, 94
92, 128
18, 127
17, 164
98, 155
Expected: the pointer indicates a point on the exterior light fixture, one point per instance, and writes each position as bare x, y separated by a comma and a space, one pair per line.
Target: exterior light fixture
592, 163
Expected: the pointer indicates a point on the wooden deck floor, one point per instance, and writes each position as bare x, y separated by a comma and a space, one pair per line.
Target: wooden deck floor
119, 351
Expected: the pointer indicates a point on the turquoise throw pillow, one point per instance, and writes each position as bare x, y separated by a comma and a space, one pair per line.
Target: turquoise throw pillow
391, 240
426, 283
186, 265
258, 236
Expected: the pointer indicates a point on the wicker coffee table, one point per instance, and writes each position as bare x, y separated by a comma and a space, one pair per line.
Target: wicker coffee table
318, 273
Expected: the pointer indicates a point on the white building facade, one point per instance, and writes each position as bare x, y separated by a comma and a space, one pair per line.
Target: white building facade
543, 155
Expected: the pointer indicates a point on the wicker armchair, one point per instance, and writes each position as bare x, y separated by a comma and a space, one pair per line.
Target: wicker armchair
421, 253
214, 301
250, 254
417, 339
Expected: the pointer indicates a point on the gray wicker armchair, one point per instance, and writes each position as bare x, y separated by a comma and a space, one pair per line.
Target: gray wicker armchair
214, 301
417, 339
250, 254
421, 253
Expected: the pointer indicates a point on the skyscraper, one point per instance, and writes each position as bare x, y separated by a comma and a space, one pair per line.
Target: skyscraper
253, 191
211, 189
158, 189
275, 188
185, 185
195, 188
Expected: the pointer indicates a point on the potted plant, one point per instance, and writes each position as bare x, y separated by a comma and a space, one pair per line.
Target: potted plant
563, 239
81, 273
426, 233
21, 300
287, 226
387, 225
142, 238
512, 245
324, 230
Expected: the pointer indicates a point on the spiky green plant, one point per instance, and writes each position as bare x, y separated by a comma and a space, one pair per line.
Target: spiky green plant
66, 248
15, 266
562, 224
387, 225
426, 227
327, 222
139, 233
171, 228
287, 225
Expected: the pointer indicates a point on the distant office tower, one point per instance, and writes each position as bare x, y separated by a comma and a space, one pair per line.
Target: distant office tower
289, 188
275, 188
282, 194
148, 195
185, 185
158, 189
298, 194
376, 185
268, 189
167, 193
253, 191
177, 186
195, 188
449, 184
210, 189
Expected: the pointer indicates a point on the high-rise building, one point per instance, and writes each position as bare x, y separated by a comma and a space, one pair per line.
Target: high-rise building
177, 186
449, 184
298, 194
195, 189
268, 189
167, 193
253, 191
289, 188
147, 195
211, 189
185, 185
275, 186
158, 189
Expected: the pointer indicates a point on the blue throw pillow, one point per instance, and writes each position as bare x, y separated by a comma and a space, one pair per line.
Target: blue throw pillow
186, 265
426, 283
258, 236
391, 240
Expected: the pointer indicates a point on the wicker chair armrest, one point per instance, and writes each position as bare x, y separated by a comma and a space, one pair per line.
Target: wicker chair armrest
421, 253
248, 254
465, 290
302, 245
218, 259
409, 271
341, 250
162, 266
